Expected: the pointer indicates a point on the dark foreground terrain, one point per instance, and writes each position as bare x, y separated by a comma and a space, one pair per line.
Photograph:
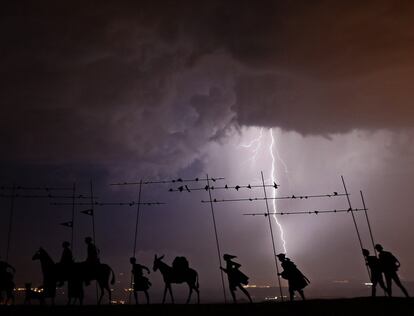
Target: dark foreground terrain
355, 306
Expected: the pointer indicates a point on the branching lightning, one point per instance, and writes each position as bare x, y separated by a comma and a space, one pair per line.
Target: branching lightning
272, 178
255, 146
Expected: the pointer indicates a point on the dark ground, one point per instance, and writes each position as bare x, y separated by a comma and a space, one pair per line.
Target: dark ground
355, 306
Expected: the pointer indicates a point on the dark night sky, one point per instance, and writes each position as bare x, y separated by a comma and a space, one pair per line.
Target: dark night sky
122, 90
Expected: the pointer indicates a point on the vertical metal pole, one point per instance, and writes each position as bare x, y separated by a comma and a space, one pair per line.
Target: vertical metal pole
73, 218
9, 234
272, 237
355, 223
217, 240
369, 224
93, 232
136, 234
137, 219
93, 214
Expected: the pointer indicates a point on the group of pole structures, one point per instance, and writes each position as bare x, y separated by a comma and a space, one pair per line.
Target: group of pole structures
208, 180
92, 204
209, 188
14, 192
23, 192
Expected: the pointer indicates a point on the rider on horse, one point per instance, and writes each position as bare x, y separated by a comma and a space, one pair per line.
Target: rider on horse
92, 259
65, 262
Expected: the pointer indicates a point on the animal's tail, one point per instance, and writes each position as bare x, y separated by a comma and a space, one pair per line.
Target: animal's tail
113, 276
197, 285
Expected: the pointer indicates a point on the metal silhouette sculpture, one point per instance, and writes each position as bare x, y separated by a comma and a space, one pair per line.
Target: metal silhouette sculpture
141, 283
78, 273
375, 269
390, 266
296, 280
235, 276
180, 272
6, 283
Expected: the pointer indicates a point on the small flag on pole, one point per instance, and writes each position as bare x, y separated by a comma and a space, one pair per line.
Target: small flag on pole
88, 212
67, 224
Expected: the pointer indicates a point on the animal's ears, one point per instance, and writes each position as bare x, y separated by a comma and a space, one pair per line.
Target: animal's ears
161, 257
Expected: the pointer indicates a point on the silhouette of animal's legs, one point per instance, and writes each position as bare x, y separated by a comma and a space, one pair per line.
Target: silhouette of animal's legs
245, 292
136, 297
198, 294
190, 287
302, 294
170, 290
146, 296
165, 294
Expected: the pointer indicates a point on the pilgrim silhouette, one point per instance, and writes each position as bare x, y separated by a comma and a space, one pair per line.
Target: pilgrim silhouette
390, 265
141, 283
374, 266
235, 276
296, 280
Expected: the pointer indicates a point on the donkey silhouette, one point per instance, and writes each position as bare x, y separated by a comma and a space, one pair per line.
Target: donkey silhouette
79, 272
177, 275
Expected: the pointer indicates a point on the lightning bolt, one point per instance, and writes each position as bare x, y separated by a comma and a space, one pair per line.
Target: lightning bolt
255, 144
272, 178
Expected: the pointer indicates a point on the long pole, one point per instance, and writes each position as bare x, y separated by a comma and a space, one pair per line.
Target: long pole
9, 234
355, 223
137, 219
73, 218
217, 240
272, 237
368, 222
136, 234
93, 233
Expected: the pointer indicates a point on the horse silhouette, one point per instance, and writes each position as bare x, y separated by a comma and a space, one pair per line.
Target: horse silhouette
171, 275
77, 274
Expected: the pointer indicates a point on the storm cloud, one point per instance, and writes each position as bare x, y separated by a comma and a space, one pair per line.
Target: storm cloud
153, 82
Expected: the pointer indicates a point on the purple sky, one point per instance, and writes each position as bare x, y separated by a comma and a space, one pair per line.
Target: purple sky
166, 89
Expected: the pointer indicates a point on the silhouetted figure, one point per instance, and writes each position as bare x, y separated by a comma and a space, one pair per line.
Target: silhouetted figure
235, 276
171, 275
296, 280
92, 252
374, 266
77, 275
65, 263
141, 283
67, 257
92, 260
390, 265
6, 281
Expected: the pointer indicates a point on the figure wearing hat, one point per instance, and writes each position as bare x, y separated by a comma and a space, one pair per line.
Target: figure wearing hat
92, 252
141, 283
390, 265
92, 260
235, 276
296, 280
65, 263
67, 256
